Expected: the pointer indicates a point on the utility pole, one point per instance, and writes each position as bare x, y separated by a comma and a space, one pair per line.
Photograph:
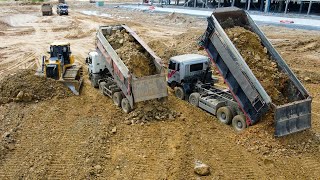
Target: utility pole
309, 8
267, 7
285, 10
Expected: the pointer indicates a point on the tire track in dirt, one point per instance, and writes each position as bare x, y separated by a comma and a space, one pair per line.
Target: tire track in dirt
61, 144
226, 159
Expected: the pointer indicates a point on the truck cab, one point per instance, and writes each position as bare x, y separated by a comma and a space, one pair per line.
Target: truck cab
62, 9
96, 67
188, 68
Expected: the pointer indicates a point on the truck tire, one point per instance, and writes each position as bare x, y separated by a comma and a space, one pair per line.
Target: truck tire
94, 82
194, 99
101, 87
179, 92
224, 114
125, 105
239, 122
117, 97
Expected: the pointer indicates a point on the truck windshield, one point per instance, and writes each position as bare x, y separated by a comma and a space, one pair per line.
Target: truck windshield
172, 65
64, 7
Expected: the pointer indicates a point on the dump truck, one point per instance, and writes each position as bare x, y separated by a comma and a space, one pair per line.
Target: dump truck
244, 86
108, 72
190, 76
46, 9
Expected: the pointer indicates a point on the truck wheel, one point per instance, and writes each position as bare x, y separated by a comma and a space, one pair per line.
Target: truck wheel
125, 105
194, 99
224, 115
117, 97
179, 92
94, 82
101, 87
239, 122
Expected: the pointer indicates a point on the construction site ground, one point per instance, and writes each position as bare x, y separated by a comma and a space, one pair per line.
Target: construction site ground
87, 136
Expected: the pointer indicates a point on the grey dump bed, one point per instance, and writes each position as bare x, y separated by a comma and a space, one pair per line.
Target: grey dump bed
135, 89
244, 86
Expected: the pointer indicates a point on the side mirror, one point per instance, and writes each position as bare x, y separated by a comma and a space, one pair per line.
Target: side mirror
87, 60
48, 52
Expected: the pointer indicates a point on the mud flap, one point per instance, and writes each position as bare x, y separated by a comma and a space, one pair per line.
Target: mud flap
293, 117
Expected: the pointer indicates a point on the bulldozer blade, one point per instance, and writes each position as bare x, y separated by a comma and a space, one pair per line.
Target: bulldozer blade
74, 86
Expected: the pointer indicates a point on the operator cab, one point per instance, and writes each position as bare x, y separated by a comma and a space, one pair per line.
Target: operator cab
187, 68
60, 51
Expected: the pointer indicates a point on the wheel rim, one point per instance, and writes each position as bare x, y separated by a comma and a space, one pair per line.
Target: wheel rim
178, 94
193, 100
125, 106
223, 116
115, 100
239, 124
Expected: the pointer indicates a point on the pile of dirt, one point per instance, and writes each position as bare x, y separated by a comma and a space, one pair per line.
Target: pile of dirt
3, 26
78, 33
24, 86
263, 67
132, 53
152, 110
176, 17
185, 43
162, 50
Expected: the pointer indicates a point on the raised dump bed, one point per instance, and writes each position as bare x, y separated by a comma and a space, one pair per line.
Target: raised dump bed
247, 71
125, 68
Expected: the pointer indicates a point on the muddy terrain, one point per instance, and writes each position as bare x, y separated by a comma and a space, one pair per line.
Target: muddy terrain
88, 137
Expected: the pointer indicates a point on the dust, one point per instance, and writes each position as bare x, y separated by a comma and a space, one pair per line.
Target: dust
24, 86
263, 67
133, 55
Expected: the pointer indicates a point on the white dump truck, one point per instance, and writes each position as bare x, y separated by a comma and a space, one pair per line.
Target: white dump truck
108, 72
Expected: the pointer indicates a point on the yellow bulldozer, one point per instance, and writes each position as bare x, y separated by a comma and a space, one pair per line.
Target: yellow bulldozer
61, 66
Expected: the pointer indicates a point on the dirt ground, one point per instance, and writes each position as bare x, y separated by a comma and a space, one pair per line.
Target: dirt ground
88, 137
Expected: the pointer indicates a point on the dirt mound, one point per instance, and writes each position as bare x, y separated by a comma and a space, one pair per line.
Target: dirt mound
306, 45
24, 86
176, 17
132, 54
162, 50
263, 67
78, 33
185, 43
152, 110
4, 25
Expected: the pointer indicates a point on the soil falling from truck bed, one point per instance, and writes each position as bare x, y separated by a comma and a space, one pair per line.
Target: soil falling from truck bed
132, 54
263, 67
